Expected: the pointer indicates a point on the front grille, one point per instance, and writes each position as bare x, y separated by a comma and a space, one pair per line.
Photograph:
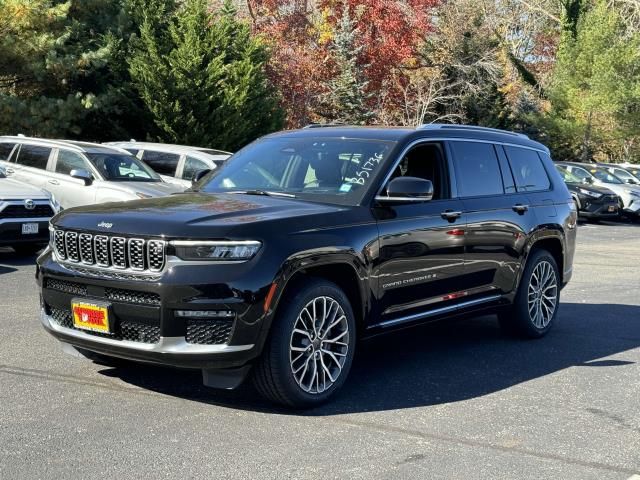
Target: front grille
130, 296
20, 211
110, 252
209, 331
66, 287
112, 294
124, 330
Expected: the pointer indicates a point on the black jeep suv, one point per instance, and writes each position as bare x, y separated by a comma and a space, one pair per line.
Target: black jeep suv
306, 242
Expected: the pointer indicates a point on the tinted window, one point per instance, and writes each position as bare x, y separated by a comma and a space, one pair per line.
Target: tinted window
477, 169
34, 156
68, 161
162, 162
579, 173
193, 166
604, 176
5, 150
528, 171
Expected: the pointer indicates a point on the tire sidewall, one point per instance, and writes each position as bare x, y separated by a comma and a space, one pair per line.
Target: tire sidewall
521, 303
281, 335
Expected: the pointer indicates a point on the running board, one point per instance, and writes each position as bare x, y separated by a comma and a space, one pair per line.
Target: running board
437, 311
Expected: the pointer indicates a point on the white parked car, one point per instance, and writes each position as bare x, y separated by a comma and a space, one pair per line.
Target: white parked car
25, 212
79, 173
175, 163
596, 175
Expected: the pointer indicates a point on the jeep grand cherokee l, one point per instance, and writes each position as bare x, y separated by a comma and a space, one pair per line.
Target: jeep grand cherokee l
307, 241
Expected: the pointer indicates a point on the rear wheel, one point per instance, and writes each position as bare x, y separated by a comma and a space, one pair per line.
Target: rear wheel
535, 307
310, 349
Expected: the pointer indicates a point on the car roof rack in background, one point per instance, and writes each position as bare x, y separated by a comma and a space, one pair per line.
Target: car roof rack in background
454, 126
323, 125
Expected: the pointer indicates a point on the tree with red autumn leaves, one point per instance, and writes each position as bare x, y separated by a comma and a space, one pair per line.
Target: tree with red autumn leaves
304, 54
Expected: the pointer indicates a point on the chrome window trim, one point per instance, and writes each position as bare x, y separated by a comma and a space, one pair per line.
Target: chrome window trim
443, 139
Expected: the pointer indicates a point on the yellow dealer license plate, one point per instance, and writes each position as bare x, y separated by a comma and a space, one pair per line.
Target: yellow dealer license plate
92, 316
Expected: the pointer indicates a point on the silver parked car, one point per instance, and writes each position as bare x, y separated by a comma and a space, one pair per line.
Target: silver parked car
176, 163
79, 173
25, 212
624, 173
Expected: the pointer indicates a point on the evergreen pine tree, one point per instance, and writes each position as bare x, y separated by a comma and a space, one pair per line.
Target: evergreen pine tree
203, 78
347, 99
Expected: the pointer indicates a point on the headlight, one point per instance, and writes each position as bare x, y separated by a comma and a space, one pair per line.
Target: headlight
633, 193
143, 195
589, 193
197, 250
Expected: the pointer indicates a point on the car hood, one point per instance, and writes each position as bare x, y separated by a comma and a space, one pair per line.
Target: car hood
11, 189
193, 215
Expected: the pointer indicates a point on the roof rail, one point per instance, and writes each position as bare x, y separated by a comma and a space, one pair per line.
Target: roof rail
454, 126
323, 125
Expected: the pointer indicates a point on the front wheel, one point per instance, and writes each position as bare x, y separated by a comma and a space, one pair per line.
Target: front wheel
310, 350
535, 307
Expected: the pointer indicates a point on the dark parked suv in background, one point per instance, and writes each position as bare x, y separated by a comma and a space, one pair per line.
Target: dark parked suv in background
308, 241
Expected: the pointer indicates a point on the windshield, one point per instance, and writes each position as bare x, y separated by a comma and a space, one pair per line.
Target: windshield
604, 176
567, 176
331, 170
118, 167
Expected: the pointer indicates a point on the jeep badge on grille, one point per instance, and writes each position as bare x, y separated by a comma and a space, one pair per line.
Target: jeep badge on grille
105, 225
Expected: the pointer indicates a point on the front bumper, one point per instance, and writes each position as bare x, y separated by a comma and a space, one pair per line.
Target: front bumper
170, 351
599, 208
11, 231
146, 326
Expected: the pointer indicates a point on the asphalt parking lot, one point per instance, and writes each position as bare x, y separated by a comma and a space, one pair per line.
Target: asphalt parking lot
454, 400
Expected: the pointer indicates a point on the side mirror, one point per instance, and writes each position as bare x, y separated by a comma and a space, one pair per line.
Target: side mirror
587, 180
82, 174
631, 181
199, 174
407, 189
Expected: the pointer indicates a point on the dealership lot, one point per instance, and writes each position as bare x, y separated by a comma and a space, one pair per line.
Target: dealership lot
454, 400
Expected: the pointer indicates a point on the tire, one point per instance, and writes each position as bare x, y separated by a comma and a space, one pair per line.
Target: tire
285, 374
533, 315
27, 249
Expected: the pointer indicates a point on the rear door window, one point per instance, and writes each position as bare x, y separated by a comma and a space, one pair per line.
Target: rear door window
34, 156
163, 163
5, 150
193, 166
477, 169
68, 161
528, 171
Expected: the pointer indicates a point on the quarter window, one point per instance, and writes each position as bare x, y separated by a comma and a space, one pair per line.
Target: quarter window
163, 163
528, 171
5, 150
68, 161
477, 170
34, 156
193, 166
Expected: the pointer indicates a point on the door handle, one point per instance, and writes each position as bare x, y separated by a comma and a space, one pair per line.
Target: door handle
54, 182
451, 215
521, 209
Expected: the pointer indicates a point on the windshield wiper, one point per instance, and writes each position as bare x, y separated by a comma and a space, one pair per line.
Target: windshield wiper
266, 193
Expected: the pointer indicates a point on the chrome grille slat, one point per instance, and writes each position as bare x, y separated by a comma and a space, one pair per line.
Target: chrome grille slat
101, 246
119, 252
71, 245
105, 253
58, 239
156, 255
86, 248
135, 248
